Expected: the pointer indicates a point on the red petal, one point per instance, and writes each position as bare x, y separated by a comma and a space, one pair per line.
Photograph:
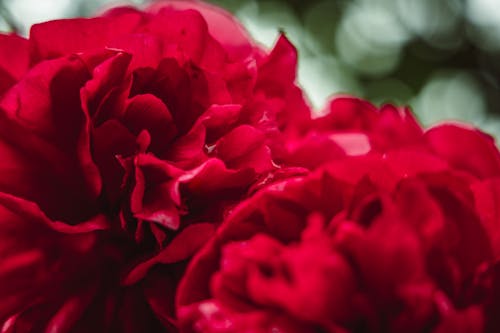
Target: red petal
147, 112
204, 263
146, 50
465, 149
70, 312
312, 151
38, 261
278, 69
487, 200
220, 118
244, 147
395, 128
159, 290
347, 113
62, 37
213, 176
185, 30
48, 126
105, 76
221, 25
109, 140
14, 56
407, 162
6, 81
465, 236
427, 217
214, 56
188, 151
155, 194
180, 248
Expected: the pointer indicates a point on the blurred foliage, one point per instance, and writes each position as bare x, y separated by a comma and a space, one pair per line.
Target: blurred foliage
442, 57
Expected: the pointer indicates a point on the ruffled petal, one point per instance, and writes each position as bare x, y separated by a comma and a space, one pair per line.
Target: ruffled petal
147, 112
44, 123
244, 147
187, 34
466, 149
487, 202
227, 31
41, 259
155, 195
182, 247
63, 37
14, 60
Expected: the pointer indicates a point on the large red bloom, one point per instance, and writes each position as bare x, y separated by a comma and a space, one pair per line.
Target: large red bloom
124, 140
403, 237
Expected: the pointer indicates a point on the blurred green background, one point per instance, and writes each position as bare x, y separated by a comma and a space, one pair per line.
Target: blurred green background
441, 57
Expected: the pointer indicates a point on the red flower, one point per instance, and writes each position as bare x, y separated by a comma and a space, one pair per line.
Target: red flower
124, 140
403, 238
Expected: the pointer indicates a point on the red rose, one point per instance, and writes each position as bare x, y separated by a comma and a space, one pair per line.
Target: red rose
124, 140
404, 238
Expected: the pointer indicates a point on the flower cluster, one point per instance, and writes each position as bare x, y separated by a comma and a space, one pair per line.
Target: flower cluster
161, 172
405, 239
